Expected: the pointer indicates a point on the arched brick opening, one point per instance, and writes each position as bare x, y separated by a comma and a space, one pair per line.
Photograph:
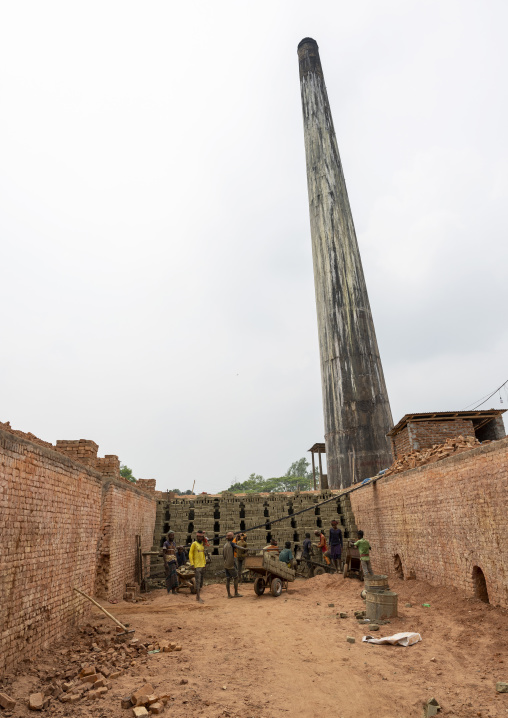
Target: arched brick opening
397, 566
480, 585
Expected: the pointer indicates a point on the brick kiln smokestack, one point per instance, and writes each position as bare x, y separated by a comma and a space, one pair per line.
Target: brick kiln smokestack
356, 409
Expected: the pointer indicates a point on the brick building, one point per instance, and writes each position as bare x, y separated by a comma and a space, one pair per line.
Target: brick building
415, 432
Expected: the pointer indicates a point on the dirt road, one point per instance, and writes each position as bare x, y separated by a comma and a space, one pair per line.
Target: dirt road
265, 657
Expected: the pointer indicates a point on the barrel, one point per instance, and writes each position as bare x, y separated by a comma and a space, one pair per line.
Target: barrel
381, 605
376, 583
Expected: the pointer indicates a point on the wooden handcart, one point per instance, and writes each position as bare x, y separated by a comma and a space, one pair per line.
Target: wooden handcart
271, 573
352, 561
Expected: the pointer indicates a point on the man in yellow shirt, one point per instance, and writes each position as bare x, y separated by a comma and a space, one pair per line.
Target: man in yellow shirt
197, 559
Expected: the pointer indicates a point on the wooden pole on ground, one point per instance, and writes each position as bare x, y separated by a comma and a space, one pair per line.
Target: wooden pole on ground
104, 611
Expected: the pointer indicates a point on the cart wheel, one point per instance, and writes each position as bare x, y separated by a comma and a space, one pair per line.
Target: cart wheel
192, 584
259, 586
319, 571
345, 571
276, 587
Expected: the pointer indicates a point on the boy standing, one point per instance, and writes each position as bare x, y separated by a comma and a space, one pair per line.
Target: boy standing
197, 558
364, 547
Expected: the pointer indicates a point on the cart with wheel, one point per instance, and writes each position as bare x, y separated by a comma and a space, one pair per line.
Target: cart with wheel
313, 566
186, 577
272, 574
352, 561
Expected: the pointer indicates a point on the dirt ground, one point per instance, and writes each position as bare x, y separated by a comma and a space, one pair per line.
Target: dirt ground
264, 657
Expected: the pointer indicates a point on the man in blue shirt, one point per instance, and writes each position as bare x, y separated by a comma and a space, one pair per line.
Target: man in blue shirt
286, 555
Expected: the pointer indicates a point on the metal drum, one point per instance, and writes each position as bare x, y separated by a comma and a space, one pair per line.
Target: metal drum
381, 605
376, 583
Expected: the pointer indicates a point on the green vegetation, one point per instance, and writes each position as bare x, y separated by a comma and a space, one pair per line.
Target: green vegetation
127, 473
181, 493
297, 477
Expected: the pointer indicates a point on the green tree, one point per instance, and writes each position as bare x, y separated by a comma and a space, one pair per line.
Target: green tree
181, 493
252, 485
299, 468
127, 473
297, 477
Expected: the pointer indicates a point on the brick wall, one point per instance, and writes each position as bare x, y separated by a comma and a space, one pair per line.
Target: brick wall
50, 512
402, 442
417, 435
60, 522
127, 512
443, 520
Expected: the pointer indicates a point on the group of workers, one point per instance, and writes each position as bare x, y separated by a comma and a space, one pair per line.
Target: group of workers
234, 552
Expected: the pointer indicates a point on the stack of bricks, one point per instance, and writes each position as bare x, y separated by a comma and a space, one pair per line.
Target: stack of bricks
218, 514
29, 436
445, 522
147, 485
83, 451
109, 466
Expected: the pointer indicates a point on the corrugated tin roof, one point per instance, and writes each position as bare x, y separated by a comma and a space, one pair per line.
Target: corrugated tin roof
443, 416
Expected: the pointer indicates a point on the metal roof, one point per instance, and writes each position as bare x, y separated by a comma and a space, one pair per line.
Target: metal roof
486, 415
318, 449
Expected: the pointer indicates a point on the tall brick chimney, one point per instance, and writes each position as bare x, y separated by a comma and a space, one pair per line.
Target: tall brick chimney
356, 409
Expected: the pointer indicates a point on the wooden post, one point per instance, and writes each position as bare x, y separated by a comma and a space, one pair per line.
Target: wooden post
320, 471
313, 470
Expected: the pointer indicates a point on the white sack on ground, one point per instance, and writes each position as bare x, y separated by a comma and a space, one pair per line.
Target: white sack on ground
402, 639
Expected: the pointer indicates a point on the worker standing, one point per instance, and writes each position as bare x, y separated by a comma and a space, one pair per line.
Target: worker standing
170, 563
335, 551
322, 544
228, 552
364, 547
241, 552
197, 559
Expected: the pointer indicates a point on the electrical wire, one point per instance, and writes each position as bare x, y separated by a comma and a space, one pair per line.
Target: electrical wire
310, 508
490, 395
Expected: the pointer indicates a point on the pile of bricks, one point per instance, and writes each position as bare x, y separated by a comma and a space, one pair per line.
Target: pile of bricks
25, 435
145, 699
435, 453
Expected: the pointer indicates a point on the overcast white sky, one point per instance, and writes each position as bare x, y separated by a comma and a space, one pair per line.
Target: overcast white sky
156, 276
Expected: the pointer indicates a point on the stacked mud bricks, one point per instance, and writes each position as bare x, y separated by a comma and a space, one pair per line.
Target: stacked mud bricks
218, 514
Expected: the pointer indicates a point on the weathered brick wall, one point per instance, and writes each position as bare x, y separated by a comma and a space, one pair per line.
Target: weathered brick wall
402, 442
417, 435
127, 512
443, 520
62, 524
50, 513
